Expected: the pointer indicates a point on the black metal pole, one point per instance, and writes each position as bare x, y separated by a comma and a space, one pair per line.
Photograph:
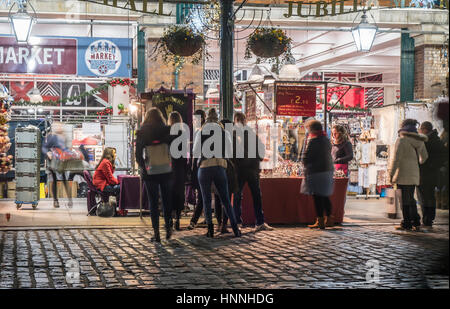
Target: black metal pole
226, 59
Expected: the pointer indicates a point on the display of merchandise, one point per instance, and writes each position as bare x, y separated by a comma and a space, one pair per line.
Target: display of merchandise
5, 144
27, 168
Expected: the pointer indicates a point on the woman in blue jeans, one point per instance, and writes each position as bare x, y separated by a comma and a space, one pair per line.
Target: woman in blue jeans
154, 139
212, 168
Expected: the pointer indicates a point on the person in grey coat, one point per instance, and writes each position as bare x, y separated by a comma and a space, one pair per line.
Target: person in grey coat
404, 170
319, 170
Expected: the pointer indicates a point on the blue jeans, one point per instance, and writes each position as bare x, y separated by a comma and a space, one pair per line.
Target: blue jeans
152, 185
252, 178
218, 176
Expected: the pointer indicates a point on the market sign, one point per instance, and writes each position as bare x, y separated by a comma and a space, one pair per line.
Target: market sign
296, 100
82, 56
250, 106
50, 56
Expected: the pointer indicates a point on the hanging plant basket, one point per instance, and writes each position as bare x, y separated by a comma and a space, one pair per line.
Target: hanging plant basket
183, 46
268, 43
180, 41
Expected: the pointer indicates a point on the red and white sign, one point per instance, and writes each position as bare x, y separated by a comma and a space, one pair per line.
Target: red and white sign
296, 100
45, 56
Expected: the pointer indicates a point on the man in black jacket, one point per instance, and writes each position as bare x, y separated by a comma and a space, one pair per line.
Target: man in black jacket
247, 166
429, 173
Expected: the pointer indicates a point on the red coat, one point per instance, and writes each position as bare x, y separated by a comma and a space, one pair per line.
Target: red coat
104, 175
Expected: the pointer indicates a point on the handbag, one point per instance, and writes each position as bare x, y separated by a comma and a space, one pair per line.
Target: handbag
393, 202
304, 189
107, 209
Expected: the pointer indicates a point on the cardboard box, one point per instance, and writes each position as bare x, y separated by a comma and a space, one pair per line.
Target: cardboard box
11, 193
11, 185
61, 191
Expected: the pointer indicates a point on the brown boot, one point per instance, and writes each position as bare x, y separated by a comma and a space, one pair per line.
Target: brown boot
320, 223
315, 225
329, 221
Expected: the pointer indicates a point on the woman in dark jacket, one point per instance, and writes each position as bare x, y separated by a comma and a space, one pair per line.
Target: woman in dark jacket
179, 166
155, 132
318, 166
342, 150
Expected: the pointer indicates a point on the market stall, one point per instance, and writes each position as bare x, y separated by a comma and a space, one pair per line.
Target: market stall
277, 110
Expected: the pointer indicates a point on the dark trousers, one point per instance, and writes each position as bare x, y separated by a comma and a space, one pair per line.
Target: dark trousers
219, 210
322, 205
199, 205
113, 190
251, 177
178, 196
409, 207
66, 185
217, 175
153, 184
427, 199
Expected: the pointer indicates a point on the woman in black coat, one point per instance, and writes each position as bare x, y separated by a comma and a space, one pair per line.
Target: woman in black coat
179, 167
318, 167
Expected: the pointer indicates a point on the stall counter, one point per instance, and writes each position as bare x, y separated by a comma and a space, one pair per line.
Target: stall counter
284, 204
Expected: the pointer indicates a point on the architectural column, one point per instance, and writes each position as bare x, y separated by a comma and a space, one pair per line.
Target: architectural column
431, 73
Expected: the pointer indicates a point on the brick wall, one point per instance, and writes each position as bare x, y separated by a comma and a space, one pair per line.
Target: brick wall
158, 71
429, 71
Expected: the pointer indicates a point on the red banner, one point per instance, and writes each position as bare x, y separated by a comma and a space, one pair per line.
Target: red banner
296, 100
47, 56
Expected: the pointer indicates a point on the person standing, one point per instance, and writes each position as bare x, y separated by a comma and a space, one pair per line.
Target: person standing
56, 144
247, 168
212, 168
409, 152
319, 170
154, 139
429, 173
341, 150
179, 166
198, 208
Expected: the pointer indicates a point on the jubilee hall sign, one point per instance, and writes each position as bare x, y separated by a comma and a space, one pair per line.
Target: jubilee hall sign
306, 8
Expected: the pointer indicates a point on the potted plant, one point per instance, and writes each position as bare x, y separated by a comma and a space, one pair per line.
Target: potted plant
268, 43
180, 41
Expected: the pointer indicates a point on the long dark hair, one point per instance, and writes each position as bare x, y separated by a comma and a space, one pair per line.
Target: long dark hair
108, 154
174, 117
154, 117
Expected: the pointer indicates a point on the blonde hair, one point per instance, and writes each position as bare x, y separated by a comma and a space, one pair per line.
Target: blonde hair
108, 154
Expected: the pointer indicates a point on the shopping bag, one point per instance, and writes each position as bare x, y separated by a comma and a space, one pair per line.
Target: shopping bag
393, 202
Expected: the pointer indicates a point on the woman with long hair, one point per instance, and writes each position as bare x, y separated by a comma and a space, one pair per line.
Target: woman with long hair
341, 150
213, 170
319, 171
153, 139
104, 178
179, 166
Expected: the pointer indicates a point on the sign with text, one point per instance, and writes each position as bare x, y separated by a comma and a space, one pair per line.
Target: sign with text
82, 56
296, 100
250, 106
49, 56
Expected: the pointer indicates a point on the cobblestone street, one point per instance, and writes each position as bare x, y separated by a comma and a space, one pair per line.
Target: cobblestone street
288, 257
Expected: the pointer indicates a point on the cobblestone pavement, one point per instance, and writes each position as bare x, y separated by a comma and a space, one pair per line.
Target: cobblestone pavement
288, 257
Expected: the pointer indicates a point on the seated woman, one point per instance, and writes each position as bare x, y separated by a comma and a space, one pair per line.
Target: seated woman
104, 178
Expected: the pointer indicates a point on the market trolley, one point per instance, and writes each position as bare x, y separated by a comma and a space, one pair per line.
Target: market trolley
27, 165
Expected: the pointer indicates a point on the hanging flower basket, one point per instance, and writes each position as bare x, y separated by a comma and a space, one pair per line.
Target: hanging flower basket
268, 43
180, 41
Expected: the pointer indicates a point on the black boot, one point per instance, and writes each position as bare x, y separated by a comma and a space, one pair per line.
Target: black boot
168, 232
177, 225
210, 230
156, 237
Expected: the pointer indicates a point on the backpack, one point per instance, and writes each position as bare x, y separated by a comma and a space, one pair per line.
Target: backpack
158, 160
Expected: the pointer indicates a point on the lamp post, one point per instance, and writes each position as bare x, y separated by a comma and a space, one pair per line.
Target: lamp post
226, 59
364, 34
22, 23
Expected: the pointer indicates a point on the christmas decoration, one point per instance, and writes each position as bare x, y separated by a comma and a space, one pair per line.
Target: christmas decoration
107, 111
112, 83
